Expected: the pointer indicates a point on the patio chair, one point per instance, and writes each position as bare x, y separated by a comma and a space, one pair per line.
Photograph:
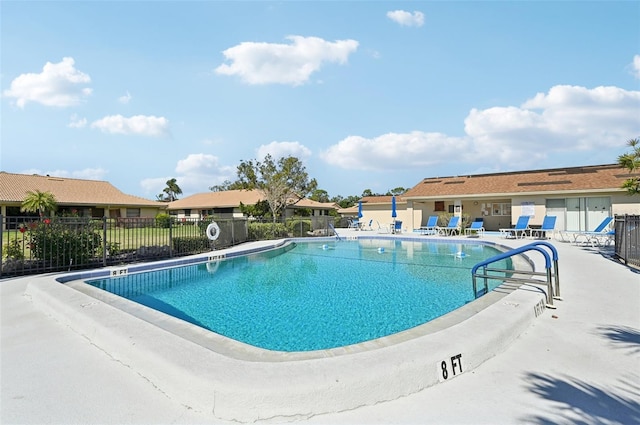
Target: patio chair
450, 228
354, 224
367, 226
397, 226
431, 227
383, 229
548, 225
476, 227
593, 236
521, 227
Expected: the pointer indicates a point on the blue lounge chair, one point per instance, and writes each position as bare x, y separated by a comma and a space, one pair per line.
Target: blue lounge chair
368, 226
548, 225
476, 227
431, 227
451, 227
520, 229
593, 236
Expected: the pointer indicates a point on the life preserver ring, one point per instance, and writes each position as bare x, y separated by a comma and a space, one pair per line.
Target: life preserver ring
212, 267
213, 231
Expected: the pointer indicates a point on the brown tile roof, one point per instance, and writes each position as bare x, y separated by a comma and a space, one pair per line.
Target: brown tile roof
310, 203
14, 188
225, 199
382, 199
581, 179
232, 198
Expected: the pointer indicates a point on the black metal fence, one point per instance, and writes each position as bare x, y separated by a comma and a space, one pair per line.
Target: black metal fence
627, 239
38, 245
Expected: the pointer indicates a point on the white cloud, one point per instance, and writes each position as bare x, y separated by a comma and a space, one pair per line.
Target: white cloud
195, 173
138, 124
268, 63
566, 119
125, 98
393, 151
77, 122
59, 84
415, 19
635, 67
282, 150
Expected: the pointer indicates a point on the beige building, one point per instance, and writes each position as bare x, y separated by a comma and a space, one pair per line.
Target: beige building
580, 197
226, 204
88, 198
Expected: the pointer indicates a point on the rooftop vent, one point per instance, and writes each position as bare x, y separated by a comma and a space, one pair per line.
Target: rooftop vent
544, 183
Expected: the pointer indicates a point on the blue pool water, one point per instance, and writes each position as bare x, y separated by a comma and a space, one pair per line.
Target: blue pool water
312, 296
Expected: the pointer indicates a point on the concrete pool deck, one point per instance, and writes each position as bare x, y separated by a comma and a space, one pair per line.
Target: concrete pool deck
578, 363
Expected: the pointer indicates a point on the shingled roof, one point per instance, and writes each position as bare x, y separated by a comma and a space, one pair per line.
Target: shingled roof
14, 188
597, 178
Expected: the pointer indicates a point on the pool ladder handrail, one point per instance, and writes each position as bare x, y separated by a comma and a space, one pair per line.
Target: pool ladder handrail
534, 246
334, 231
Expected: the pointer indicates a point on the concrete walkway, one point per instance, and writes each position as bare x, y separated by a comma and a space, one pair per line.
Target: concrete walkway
579, 363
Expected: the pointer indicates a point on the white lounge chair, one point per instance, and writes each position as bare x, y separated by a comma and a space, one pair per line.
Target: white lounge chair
548, 225
477, 226
521, 227
451, 227
431, 228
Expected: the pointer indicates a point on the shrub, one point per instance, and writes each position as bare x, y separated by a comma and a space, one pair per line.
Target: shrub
191, 244
64, 243
13, 250
163, 220
264, 231
299, 227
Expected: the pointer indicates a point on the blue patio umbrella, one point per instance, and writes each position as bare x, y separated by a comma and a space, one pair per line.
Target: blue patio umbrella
394, 214
360, 209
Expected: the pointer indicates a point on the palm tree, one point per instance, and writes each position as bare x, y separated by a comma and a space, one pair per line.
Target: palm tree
40, 202
631, 161
172, 190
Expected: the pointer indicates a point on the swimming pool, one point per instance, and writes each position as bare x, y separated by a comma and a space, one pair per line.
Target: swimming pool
242, 383
310, 296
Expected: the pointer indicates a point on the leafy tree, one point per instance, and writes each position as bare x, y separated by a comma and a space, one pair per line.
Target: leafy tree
259, 209
226, 185
40, 202
281, 183
631, 161
172, 190
397, 191
367, 192
320, 195
347, 202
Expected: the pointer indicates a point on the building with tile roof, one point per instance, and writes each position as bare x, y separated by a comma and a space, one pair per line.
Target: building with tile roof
226, 204
90, 198
580, 197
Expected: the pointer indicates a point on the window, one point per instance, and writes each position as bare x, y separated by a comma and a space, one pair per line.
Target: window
501, 208
187, 213
439, 206
133, 212
227, 210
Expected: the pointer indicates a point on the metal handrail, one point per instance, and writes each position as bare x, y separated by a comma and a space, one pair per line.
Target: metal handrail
534, 246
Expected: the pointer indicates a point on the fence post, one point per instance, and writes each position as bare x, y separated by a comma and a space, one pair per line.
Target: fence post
2, 224
170, 237
105, 241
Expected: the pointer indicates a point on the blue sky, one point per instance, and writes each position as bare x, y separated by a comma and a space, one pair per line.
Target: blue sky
368, 94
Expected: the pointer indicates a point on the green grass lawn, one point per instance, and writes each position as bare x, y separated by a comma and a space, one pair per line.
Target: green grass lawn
127, 239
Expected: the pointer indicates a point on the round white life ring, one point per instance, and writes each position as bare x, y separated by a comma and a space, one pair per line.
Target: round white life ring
213, 266
213, 231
